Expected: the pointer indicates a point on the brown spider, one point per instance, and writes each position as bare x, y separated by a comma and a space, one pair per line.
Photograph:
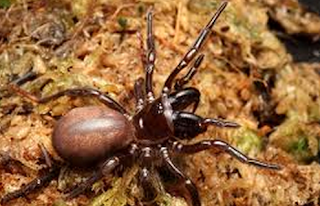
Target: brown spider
109, 137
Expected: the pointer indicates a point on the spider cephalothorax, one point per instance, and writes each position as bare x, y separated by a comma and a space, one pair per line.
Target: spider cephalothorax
110, 137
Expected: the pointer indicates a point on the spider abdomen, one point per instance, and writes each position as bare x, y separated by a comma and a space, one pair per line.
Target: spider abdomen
87, 135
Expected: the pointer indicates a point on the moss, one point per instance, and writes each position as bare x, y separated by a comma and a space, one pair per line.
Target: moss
297, 138
59, 203
123, 22
114, 196
5, 3
300, 149
247, 140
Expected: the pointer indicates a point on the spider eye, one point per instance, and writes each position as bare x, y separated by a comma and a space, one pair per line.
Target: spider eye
159, 108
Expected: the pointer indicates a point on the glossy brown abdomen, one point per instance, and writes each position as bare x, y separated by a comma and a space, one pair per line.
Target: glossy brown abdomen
87, 135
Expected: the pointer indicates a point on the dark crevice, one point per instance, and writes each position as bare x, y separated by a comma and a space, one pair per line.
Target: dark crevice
302, 47
266, 114
311, 5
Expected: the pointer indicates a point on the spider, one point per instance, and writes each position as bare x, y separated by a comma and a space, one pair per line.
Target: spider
109, 137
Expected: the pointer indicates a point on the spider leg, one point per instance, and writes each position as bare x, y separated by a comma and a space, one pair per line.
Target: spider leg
188, 125
193, 51
188, 184
48, 174
85, 185
29, 76
105, 169
181, 99
222, 146
192, 71
46, 155
39, 182
146, 181
150, 58
142, 51
102, 97
138, 93
150, 192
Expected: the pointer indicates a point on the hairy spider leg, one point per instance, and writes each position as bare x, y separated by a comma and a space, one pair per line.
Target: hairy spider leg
193, 51
138, 93
192, 71
223, 146
193, 195
150, 58
77, 92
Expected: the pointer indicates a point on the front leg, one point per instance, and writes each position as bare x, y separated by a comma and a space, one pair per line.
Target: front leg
193, 51
223, 146
188, 76
150, 58
139, 94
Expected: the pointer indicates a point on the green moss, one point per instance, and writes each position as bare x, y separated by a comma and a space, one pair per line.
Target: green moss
300, 145
300, 149
248, 140
123, 22
5, 3
115, 196
60, 203
297, 138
